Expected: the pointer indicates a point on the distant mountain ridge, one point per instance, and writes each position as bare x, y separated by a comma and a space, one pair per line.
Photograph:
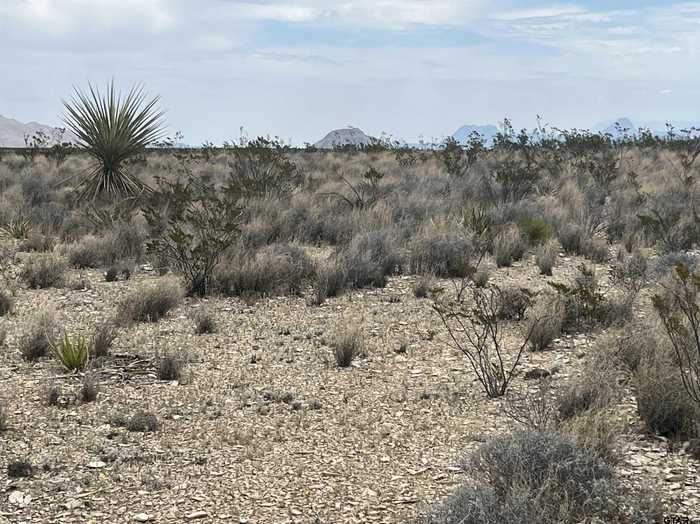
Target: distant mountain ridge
13, 133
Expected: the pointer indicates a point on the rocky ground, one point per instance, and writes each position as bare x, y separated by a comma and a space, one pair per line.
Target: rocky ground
264, 428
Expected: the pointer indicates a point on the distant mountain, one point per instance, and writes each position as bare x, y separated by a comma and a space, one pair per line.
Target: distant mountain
13, 132
488, 132
350, 136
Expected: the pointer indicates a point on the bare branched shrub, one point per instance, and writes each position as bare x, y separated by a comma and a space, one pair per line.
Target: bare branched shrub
533, 410
475, 329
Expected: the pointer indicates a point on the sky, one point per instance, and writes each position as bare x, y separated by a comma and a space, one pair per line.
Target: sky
409, 68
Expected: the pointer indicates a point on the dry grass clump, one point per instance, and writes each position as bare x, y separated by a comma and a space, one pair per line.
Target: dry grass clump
44, 271
330, 281
39, 334
346, 346
423, 285
546, 257
547, 315
142, 422
3, 418
508, 247
204, 321
370, 258
444, 254
7, 303
281, 269
102, 338
150, 302
169, 366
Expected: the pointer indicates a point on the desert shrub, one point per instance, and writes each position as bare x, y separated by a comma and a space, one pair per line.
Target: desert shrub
124, 241
631, 273
71, 353
37, 243
572, 238
7, 303
88, 253
102, 338
597, 250
535, 230
514, 303
204, 321
44, 271
275, 269
142, 422
38, 335
262, 168
191, 225
370, 257
546, 257
583, 302
634, 345
346, 346
548, 317
508, 247
445, 255
540, 478
662, 400
533, 410
331, 278
149, 303
475, 330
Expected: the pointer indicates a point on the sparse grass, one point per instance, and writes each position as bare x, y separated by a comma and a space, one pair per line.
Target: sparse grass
43, 271
88, 388
150, 302
546, 257
423, 285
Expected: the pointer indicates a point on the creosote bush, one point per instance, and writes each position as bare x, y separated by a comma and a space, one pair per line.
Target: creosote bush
44, 271
150, 302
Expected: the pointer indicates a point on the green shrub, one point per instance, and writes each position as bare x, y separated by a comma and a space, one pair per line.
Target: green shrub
44, 271
540, 478
535, 230
150, 303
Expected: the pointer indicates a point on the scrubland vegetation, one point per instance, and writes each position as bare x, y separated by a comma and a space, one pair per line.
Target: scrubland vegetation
488, 335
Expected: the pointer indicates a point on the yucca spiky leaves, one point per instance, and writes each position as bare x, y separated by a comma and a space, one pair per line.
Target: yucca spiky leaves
72, 353
112, 129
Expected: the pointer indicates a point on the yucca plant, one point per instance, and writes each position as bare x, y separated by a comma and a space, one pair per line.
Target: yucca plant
18, 229
72, 353
113, 129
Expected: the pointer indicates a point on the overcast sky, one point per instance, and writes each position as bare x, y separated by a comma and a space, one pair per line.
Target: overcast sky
299, 68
